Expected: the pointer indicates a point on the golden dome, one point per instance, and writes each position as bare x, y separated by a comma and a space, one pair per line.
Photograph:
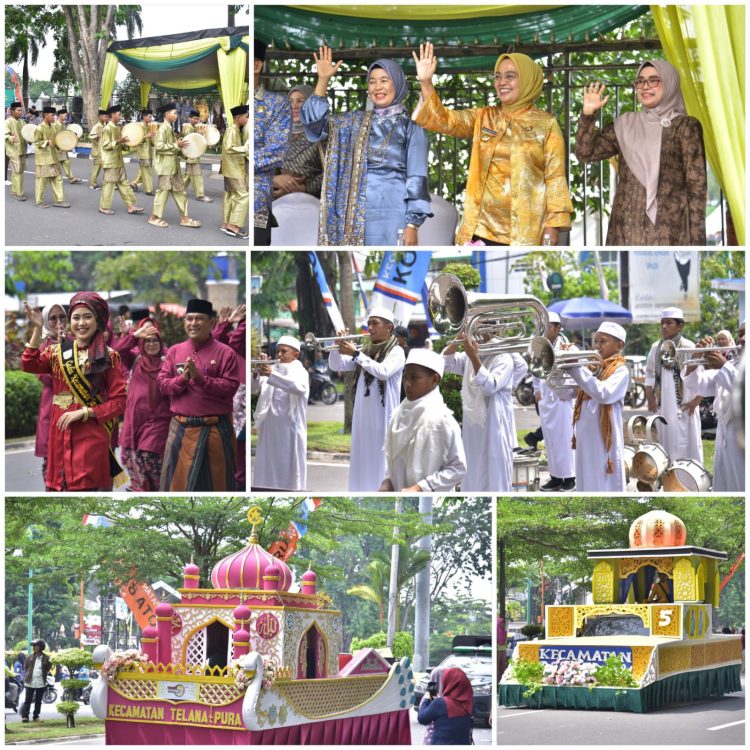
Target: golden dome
657, 528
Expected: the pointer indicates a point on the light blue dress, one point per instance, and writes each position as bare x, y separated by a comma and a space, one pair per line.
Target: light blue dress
375, 173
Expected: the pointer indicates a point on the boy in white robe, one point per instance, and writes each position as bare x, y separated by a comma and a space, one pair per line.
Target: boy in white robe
667, 394
377, 384
556, 415
281, 420
487, 426
717, 378
423, 447
597, 415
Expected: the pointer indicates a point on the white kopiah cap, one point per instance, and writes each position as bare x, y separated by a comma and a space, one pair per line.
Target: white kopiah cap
613, 329
672, 312
381, 312
427, 358
288, 341
553, 317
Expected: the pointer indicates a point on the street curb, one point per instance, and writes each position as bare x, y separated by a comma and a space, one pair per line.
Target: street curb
20, 444
47, 740
323, 456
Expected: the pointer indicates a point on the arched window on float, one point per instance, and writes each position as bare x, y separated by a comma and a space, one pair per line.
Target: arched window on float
312, 656
211, 643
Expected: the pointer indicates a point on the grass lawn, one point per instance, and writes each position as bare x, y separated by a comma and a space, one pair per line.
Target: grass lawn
50, 729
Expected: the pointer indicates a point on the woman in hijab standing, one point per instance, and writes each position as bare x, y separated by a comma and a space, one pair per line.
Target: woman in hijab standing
88, 397
55, 323
450, 714
516, 192
302, 168
661, 188
146, 423
375, 174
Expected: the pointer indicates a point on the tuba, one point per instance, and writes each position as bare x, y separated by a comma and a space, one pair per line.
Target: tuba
670, 355
554, 366
500, 324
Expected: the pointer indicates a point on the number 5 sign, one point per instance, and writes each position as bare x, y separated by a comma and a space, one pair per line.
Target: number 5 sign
665, 620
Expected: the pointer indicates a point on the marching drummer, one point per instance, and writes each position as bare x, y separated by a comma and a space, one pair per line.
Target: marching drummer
234, 159
15, 150
113, 143
47, 166
62, 154
95, 136
193, 165
167, 166
145, 152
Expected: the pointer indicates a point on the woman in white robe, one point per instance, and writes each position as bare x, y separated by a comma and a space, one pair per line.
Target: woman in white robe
487, 423
281, 421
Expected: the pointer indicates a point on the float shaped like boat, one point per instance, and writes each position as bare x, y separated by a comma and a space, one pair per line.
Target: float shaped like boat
653, 609
248, 662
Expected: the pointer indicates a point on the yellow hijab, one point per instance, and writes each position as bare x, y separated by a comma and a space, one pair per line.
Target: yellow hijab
532, 80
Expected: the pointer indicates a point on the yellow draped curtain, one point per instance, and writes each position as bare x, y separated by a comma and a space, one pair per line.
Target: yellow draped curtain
706, 43
428, 12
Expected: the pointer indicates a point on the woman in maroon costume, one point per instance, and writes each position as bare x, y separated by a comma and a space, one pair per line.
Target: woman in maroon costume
146, 423
88, 397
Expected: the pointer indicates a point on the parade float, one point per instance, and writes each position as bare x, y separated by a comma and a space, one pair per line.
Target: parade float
653, 606
249, 662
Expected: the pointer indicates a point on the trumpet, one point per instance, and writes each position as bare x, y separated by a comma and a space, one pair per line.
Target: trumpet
671, 355
555, 366
312, 342
256, 364
500, 324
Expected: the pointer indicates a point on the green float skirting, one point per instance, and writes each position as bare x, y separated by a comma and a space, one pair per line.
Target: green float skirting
681, 688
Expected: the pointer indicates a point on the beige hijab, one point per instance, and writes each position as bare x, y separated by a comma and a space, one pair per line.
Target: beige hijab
639, 133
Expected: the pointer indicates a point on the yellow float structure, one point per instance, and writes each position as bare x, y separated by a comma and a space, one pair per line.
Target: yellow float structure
653, 607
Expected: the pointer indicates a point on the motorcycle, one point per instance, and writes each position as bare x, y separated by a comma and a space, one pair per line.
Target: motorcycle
322, 388
13, 690
86, 692
50, 694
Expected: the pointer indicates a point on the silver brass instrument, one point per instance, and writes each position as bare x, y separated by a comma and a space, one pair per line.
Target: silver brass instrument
499, 324
554, 365
256, 364
670, 355
312, 342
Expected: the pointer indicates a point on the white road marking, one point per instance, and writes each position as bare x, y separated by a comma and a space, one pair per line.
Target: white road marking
515, 715
724, 726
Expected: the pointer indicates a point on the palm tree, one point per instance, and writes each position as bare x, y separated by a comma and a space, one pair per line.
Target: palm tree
26, 27
376, 590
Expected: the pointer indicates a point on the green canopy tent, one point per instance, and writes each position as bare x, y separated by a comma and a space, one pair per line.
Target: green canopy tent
194, 62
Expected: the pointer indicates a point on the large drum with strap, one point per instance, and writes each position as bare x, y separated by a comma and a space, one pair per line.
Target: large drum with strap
66, 140
196, 146
135, 134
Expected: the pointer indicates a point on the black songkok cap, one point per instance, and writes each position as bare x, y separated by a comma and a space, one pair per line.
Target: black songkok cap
166, 108
49, 111
242, 109
194, 113
103, 112
200, 306
260, 49
16, 105
114, 108
146, 112
62, 111
140, 314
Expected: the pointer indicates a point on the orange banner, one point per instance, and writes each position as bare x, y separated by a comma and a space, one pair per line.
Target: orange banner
141, 601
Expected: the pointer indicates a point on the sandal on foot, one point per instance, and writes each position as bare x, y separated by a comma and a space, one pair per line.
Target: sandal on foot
42, 205
106, 211
158, 223
61, 205
137, 210
191, 223
205, 199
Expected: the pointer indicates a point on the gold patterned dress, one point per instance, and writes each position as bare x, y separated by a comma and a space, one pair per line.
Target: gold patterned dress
516, 184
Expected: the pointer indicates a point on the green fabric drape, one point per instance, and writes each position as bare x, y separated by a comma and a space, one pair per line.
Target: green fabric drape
303, 29
422, 12
145, 90
108, 79
164, 58
706, 43
680, 688
232, 71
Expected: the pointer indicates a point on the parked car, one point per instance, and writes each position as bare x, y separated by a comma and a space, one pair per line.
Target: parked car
473, 655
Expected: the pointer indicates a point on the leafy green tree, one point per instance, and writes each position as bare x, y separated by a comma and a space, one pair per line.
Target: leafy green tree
39, 271
128, 96
27, 27
376, 590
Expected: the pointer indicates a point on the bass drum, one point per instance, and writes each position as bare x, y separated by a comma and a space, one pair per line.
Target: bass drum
196, 146
650, 462
28, 131
686, 475
135, 134
66, 140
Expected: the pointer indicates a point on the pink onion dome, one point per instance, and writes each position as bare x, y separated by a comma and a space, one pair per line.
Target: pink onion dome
149, 632
164, 610
242, 637
309, 575
191, 569
245, 569
241, 613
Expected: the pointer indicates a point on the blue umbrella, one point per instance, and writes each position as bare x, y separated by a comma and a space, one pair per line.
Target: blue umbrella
587, 312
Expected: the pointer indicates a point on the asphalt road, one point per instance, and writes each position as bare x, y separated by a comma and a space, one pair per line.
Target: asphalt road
720, 721
82, 224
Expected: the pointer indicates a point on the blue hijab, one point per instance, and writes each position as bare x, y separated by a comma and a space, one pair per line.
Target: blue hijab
396, 75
